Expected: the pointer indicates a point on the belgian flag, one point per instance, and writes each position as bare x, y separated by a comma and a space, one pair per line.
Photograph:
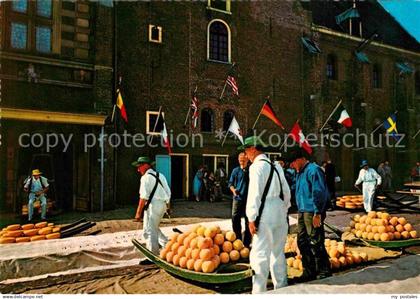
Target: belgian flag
120, 102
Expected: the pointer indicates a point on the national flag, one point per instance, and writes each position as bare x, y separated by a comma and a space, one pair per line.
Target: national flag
235, 129
268, 111
298, 136
390, 124
160, 123
194, 110
232, 83
348, 14
120, 102
342, 117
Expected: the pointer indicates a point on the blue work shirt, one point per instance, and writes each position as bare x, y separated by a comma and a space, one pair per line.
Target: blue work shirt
239, 179
311, 189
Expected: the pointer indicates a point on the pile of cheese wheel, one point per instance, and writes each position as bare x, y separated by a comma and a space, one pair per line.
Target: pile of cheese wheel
295, 262
341, 257
350, 201
291, 245
381, 226
203, 249
17, 233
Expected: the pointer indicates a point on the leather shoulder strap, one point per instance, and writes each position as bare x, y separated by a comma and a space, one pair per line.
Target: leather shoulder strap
264, 195
152, 194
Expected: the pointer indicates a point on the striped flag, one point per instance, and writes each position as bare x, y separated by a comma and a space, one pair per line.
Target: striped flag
268, 111
120, 102
194, 109
232, 83
160, 123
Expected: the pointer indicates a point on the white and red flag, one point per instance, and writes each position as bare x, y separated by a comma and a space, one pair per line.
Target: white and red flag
160, 124
342, 117
298, 136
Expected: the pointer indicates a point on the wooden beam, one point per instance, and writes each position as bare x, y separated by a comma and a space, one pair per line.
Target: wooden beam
52, 117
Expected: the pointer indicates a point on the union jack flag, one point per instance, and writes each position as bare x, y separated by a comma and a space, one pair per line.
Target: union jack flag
194, 110
232, 83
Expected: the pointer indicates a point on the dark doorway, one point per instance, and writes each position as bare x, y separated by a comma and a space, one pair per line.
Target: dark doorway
177, 177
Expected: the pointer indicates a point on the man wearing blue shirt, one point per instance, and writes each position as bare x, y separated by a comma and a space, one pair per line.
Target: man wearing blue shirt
238, 184
311, 199
37, 186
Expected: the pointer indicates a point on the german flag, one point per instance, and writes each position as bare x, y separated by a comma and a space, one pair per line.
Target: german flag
268, 111
120, 105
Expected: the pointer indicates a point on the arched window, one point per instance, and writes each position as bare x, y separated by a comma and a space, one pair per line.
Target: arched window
227, 119
218, 41
331, 67
376, 76
207, 120
417, 82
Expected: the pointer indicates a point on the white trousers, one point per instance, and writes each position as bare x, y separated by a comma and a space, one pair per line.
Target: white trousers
267, 255
368, 192
151, 231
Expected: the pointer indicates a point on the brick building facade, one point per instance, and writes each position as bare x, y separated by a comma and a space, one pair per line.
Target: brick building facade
270, 60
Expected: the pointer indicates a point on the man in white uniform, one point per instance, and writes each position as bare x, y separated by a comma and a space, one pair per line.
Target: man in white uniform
371, 180
154, 200
268, 227
37, 186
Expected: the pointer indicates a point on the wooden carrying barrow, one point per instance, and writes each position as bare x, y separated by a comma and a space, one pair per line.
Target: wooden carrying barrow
383, 244
224, 274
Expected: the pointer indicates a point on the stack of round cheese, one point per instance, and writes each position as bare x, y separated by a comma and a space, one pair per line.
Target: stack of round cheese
350, 201
381, 226
340, 256
17, 233
295, 262
291, 245
203, 249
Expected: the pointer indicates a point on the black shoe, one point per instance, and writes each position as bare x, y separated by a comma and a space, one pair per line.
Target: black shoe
145, 262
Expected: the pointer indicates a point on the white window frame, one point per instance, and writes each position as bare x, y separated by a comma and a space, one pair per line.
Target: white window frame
229, 42
215, 156
227, 11
159, 40
148, 114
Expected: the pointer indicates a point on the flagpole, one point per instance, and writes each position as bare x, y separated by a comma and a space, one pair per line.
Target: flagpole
157, 119
224, 139
284, 142
381, 124
156, 122
259, 114
285, 139
329, 117
113, 113
255, 123
188, 114
223, 91
415, 135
